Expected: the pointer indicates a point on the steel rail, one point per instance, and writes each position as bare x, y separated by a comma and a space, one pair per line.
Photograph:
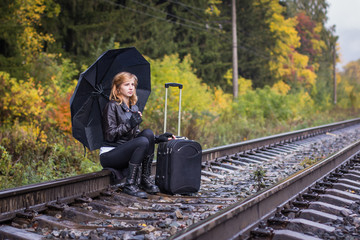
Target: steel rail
244, 146
236, 221
37, 196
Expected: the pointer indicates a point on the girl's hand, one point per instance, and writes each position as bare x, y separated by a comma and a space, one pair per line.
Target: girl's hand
164, 137
135, 119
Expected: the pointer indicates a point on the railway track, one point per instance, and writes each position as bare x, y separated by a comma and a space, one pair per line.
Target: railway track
88, 207
320, 202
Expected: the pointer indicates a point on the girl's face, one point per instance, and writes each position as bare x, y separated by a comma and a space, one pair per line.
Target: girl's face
127, 88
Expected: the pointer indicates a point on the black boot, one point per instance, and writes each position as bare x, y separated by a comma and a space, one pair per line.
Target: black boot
145, 182
131, 187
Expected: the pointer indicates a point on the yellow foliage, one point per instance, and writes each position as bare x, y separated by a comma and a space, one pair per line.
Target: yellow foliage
352, 71
303, 103
300, 60
31, 132
116, 45
28, 15
228, 76
281, 88
196, 96
338, 78
349, 89
318, 44
213, 9
309, 77
23, 99
243, 83
221, 100
348, 86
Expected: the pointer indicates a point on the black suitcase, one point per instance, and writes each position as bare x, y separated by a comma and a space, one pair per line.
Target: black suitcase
178, 166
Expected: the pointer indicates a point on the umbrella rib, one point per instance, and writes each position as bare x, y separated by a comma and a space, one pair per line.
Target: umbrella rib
99, 90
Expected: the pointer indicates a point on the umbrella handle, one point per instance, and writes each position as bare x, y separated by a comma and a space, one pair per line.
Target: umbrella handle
180, 86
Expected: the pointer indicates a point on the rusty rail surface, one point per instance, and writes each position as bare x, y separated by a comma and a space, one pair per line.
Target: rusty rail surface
236, 221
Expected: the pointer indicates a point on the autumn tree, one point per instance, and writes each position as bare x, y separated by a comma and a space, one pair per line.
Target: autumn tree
22, 35
315, 14
310, 39
268, 45
288, 65
28, 14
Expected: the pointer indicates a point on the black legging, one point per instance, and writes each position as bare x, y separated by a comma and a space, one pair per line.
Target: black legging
133, 151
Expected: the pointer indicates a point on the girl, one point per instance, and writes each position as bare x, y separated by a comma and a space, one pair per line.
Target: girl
124, 145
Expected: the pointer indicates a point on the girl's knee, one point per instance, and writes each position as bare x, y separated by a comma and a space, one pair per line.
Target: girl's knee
148, 133
143, 142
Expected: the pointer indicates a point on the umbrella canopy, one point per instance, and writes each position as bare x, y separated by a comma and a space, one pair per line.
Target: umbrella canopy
93, 89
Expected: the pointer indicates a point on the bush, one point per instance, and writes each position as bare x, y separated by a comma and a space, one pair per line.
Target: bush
25, 159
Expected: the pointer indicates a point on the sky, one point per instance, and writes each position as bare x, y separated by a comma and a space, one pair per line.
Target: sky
345, 14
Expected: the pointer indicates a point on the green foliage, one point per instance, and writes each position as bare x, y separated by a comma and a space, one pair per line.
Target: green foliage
258, 176
53, 70
308, 162
322, 92
204, 33
316, 10
199, 107
349, 86
254, 41
5, 166
87, 165
256, 110
85, 29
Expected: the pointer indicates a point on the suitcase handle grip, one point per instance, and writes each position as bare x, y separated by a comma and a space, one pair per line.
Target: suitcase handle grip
167, 85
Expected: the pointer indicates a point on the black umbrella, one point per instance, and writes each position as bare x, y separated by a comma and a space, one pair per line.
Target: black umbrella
93, 89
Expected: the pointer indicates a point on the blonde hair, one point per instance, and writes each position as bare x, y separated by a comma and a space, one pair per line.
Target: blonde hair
119, 79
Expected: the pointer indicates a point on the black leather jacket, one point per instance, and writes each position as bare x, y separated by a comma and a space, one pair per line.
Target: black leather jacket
116, 124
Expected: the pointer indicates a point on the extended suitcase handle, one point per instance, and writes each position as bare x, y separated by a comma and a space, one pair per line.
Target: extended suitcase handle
180, 86
167, 85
